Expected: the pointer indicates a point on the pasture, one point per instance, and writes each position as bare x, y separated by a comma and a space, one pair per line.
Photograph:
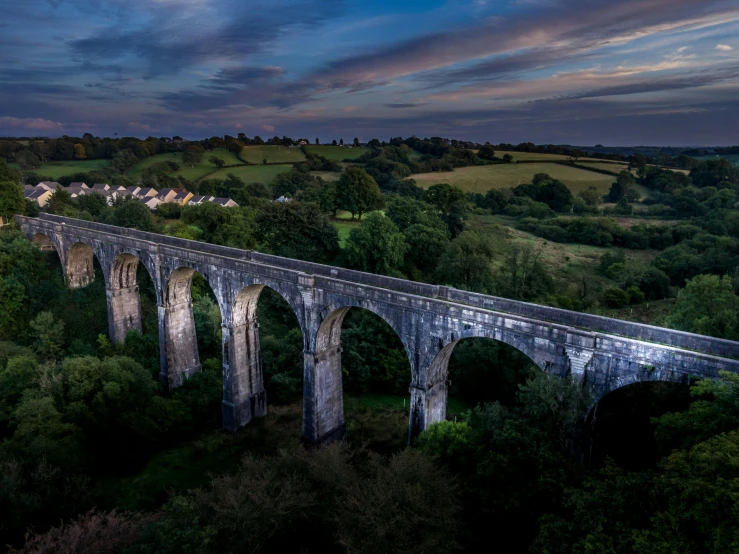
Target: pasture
336, 153
193, 173
55, 170
273, 154
253, 173
483, 178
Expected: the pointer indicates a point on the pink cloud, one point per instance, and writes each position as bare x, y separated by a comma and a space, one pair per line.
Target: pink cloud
348, 109
30, 124
141, 126
269, 128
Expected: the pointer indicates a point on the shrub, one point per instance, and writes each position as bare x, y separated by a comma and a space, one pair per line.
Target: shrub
615, 298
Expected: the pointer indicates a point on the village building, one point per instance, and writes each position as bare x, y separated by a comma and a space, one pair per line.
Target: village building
48, 185
150, 202
39, 195
78, 186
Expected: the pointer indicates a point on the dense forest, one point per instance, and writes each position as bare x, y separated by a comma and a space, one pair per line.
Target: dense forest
97, 456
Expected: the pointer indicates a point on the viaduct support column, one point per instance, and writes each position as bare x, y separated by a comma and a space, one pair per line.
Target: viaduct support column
244, 397
178, 344
124, 311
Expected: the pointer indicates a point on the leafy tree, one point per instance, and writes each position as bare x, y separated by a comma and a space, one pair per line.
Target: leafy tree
487, 152
297, 230
707, 305
79, 152
224, 226
426, 245
614, 297
60, 202
49, 335
216, 161
357, 192
12, 200
376, 246
467, 263
524, 276
133, 214
27, 160
449, 202
193, 154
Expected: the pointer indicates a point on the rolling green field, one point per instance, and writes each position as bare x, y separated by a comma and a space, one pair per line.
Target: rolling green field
337, 153
253, 173
55, 170
193, 173
483, 178
273, 154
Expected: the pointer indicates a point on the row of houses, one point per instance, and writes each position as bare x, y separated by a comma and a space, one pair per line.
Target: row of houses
150, 197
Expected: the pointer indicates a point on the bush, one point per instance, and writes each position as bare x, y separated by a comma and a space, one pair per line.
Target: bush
615, 298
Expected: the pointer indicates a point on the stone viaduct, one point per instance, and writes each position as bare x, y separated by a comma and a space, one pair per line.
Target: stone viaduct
602, 354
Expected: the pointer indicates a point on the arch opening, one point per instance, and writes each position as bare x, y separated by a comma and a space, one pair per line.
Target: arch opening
192, 326
80, 271
471, 371
362, 372
262, 355
620, 424
44, 242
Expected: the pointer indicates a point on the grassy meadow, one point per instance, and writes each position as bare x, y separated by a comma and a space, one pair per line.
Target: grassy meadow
253, 173
55, 170
273, 154
336, 153
193, 173
483, 178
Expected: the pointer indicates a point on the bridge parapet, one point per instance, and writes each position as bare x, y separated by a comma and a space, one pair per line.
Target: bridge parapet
588, 322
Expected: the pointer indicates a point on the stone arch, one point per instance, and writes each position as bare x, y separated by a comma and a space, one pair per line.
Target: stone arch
323, 403
435, 399
43, 241
79, 267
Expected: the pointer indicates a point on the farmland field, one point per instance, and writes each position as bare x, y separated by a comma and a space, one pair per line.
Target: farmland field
336, 153
55, 170
614, 168
253, 173
193, 173
273, 154
483, 178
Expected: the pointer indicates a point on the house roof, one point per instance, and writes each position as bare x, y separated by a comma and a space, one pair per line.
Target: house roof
35, 194
182, 195
49, 184
101, 186
78, 185
227, 202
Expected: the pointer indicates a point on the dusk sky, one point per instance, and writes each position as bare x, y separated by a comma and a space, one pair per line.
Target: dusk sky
616, 72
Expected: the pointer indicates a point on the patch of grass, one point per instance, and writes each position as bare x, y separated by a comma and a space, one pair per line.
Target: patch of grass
337, 153
483, 178
650, 313
55, 170
253, 173
273, 154
327, 175
193, 173
344, 228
